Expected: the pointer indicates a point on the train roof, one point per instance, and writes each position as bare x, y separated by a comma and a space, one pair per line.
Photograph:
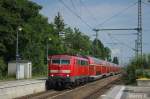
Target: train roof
94, 60
60, 56
66, 56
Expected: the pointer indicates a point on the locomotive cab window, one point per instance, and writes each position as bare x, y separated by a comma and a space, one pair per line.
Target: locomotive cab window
55, 61
67, 62
78, 62
59, 61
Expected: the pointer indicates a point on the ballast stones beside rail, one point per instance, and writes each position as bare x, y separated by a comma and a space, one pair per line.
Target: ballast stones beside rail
13, 89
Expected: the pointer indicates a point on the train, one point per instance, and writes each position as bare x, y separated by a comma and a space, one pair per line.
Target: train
72, 70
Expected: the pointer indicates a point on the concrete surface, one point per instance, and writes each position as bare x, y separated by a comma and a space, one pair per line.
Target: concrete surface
145, 82
113, 93
127, 92
13, 89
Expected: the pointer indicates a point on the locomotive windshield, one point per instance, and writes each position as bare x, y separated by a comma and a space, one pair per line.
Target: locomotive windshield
65, 61
56, 61
60, 61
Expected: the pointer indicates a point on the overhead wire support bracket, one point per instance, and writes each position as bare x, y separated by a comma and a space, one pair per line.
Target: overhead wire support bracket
114, 29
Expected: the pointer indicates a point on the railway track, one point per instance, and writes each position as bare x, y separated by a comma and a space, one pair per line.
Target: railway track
42, 95
88, 91
104, 89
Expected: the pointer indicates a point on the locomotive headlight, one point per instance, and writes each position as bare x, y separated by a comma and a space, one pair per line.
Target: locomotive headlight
67, 75
52, 75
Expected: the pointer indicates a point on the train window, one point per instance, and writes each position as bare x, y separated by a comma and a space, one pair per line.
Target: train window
59, 61
65, 61
78, 62
56, 61
84, 63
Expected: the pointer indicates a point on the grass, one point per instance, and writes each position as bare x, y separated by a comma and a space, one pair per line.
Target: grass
7, 78
143, 78
11, 78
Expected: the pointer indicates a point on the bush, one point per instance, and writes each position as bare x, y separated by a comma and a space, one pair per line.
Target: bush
139, 73
142, 73
3, 68
129, 75
137, 68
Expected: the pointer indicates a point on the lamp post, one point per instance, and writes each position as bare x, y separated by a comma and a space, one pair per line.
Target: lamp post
47, 47
17, 53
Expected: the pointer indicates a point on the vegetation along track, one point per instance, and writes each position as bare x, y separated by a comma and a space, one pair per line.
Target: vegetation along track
88, 91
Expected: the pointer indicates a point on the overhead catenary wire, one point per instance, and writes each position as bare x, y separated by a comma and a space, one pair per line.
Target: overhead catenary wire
117, 14
125, 34
73, 12
80, 8
146, 4
114, 42
89, 11
122, 43
72, 3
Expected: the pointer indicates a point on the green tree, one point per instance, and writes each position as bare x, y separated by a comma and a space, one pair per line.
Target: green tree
32, 39
35, 34
100, 51
78, 42
59, 23
2, 67
107, 53
148, 61
115, 60
57, 41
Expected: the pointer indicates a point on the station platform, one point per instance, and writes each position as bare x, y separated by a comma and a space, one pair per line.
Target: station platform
18, 88
127, 92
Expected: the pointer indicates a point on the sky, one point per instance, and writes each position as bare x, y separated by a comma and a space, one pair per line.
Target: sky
89, 14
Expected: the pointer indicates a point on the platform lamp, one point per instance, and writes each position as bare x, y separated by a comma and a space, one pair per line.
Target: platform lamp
19, 28
47, 47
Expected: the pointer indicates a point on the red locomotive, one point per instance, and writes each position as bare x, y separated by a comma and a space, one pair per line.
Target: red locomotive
68, 70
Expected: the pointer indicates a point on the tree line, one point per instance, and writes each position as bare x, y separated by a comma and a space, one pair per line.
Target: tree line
37, 34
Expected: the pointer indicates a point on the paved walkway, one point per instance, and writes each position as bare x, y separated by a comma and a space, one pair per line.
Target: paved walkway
127, 92
17, 88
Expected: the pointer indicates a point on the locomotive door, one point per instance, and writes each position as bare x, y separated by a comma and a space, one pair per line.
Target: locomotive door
91, 69
79, 70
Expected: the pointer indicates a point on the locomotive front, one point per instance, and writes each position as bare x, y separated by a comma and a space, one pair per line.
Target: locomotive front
59, 71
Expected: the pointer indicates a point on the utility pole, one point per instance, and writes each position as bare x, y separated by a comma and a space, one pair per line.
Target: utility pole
138, 42
47, 55
47, 58
136, 49
96, 38
116, 29
139, 37
17, 53
139, 45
